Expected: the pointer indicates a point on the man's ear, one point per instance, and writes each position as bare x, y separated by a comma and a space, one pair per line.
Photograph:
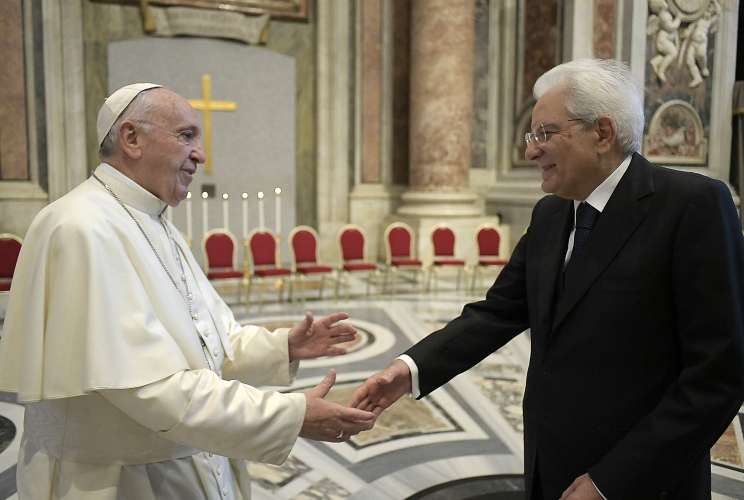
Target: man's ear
130, 140
606, 132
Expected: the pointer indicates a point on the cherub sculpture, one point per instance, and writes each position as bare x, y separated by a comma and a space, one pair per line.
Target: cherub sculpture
663, 25
695, 43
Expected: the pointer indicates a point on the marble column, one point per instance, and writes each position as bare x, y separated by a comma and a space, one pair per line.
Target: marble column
442, 53
440, 125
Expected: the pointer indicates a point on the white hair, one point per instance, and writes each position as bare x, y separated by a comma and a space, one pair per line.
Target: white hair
140, 107
600, 88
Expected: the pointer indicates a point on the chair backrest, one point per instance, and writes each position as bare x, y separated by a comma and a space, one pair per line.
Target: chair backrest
488, 240
443, 241
304, 243
219, 249
262, 248
351, 242
10, 248
399, 240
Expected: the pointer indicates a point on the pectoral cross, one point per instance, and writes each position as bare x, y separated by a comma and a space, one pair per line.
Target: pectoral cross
206, 105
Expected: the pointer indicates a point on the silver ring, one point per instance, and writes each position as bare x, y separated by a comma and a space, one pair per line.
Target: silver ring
340, 434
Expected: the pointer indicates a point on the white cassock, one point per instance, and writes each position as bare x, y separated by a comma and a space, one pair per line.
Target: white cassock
130, 395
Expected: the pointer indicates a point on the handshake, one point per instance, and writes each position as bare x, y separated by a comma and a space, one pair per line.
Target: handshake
328, 421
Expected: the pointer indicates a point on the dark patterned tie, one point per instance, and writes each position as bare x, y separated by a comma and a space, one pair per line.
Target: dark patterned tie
586, 216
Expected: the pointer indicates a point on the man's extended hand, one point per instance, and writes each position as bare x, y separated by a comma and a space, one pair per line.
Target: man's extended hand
314, 338
327, 421
581, 489
383, 389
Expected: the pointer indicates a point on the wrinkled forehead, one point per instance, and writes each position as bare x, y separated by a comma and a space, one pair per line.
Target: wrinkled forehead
174, 110
550, 108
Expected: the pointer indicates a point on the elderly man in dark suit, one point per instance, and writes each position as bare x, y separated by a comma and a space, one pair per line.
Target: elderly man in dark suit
631, 281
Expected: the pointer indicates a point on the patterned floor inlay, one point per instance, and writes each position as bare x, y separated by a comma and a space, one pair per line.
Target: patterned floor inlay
7, 433
325, 489
273, 477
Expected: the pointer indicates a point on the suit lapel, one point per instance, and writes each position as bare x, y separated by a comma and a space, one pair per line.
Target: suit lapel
625, 210
552, 252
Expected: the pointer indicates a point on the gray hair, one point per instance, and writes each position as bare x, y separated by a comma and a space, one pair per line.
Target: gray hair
597, 88
139, 109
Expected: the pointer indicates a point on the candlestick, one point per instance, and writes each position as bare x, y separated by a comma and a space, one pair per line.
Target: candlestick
260, 210
205, 213
245, 215
225, 212
188, 217
278, 211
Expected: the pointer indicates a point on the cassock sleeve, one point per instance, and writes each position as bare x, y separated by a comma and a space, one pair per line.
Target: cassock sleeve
198, 409
260, 357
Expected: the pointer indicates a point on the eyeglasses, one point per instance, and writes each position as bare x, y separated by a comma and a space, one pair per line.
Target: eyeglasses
188, 137
543, 135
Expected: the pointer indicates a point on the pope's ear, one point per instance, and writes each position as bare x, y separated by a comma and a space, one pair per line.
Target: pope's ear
130, 140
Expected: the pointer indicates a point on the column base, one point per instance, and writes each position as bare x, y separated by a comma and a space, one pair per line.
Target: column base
433, 204
460, 211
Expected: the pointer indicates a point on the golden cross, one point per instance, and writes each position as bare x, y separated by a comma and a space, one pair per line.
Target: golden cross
206, 105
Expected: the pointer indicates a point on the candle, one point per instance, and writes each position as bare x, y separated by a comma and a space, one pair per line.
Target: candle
260, 210
188, 217
205, 214
278, 211
225, 212
245, 215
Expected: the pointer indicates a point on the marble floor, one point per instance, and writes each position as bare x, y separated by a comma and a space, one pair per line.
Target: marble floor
464, 441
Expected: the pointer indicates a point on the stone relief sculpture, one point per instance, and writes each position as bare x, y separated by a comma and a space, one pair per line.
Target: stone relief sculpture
663, 26
695, 43
679, 31
676, 135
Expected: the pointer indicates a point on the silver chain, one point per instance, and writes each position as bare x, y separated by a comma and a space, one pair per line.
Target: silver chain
188, 297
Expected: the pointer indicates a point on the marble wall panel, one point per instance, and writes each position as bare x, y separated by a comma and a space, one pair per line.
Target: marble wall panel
370, 88
480, 84
538, 51
542, 43
604, 28
13, 126
401, 40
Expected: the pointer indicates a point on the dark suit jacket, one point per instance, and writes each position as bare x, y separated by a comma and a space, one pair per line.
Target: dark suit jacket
638, 367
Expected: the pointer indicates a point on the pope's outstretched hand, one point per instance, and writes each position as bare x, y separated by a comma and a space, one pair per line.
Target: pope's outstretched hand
312, 338
327, 421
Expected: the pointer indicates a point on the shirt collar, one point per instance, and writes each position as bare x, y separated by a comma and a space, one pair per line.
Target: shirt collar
129, 192
602, 193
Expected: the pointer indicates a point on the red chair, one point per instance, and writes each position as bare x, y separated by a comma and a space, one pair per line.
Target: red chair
443, 244
399, 252
351, 243
304, 243
220, 257
10, 248
488, 242
263, 261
